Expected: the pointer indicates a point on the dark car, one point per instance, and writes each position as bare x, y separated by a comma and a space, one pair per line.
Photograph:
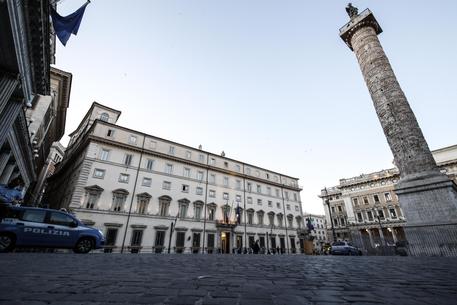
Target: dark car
36, 227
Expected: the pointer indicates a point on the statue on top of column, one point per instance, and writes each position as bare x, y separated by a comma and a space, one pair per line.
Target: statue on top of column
352, 10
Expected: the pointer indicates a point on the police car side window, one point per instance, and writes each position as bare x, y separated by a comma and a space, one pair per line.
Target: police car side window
33, 215
60, 219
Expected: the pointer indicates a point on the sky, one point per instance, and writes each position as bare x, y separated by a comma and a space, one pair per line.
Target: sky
271, 83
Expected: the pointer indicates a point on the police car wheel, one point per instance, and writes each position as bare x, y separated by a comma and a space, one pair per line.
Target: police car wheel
7, 242
84, 245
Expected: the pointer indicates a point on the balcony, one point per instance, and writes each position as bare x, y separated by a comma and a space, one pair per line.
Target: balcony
230, 224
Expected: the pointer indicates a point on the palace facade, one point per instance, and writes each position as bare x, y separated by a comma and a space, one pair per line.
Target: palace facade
365, 209
150, 194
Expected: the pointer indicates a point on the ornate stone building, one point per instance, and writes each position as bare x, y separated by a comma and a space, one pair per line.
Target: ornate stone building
365, 208
319, 233
151, 194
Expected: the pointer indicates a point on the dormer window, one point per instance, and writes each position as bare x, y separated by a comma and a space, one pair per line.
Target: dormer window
104, 117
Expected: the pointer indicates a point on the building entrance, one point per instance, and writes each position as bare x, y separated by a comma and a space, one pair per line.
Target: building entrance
225, 242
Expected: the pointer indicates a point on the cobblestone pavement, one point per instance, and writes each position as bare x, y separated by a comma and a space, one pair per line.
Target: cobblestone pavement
67, 279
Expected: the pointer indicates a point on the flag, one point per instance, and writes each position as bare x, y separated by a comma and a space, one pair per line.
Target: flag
65, 26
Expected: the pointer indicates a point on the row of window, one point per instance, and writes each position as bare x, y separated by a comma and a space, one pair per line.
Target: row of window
104, 155
376, 199
124, 178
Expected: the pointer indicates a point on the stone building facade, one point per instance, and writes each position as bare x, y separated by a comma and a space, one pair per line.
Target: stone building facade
319, 233
141, 190
365, 209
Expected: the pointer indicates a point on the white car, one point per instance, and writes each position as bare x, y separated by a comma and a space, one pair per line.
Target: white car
345, 248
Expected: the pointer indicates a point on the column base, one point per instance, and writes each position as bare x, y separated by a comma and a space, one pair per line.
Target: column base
429, 203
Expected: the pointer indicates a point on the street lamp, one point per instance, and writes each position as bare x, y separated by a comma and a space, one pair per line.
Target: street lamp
330, 213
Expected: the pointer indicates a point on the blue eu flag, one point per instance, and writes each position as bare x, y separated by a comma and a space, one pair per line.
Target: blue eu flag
65, 26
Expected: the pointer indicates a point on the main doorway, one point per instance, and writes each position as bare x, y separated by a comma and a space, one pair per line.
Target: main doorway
225, 242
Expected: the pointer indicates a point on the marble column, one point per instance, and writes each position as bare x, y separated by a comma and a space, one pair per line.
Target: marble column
394, 236
371, 238
427, 197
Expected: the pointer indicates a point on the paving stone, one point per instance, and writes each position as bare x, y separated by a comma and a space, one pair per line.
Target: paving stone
47, 278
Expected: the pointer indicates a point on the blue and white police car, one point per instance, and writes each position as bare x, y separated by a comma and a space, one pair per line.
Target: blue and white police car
36, 227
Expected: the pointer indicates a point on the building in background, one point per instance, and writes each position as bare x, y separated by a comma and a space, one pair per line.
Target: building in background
56, 154
365, 209
151, 194
319, 233
46, 119
24, 73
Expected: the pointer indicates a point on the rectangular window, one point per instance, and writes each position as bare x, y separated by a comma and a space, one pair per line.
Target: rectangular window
182, 211
365, 200
238, 198
212, 161
146, 182
238, 184
288, 206
160, 241
278, 205
212, 193
392, 212
370, 216
212, 178
150, 164
104, 154
198, 212
171, 150
166, 185
295, 197
340, 209
91, 200
269, 191
267, 175
111, 235
200, 176
132, 140
249, 200
277, 192
180, 238
185, 188
381, 214
259, 201
259, 188
355, 201
201, 158
99, 173
153, 144
225, 164
333, 209
110, 133
376, 198
118, 202
124, 178
137, 236
287, 195
250, 218
270, 203
249, 188
226, 181
128, 159
238, 168
225, 196
388, 196
210, 241
211, 214
169, 168
186, 172
248, 171
188, 154
297, 208
199, 191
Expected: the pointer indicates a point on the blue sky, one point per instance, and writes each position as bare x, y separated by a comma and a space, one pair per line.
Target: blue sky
269, 82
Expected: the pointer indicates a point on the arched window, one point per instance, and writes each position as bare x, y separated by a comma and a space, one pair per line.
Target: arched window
104, 117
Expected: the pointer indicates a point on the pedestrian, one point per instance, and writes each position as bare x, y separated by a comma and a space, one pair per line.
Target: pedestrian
256, 247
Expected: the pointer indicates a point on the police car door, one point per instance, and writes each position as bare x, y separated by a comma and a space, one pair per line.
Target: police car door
62, 229
31, 229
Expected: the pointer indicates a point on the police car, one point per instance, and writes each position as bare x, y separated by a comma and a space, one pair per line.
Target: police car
36, 227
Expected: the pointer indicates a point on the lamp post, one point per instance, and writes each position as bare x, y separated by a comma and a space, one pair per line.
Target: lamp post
173, 223
330, 214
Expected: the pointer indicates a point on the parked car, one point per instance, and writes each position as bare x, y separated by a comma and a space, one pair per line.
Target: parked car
46, 228
345, 248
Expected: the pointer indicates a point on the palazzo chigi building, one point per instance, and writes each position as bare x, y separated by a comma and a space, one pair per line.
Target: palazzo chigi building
140, 190
365, 209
